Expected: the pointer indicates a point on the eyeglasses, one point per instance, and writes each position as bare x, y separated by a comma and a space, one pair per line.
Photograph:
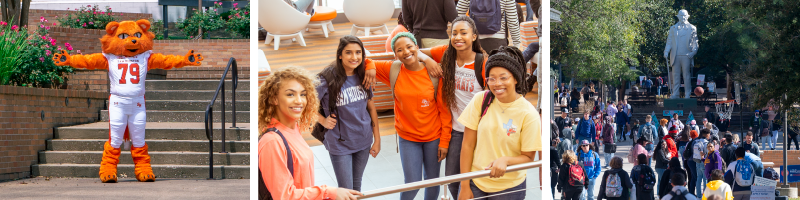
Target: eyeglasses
502, 80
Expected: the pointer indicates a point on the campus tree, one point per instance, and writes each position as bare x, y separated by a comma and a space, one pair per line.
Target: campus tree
15, 11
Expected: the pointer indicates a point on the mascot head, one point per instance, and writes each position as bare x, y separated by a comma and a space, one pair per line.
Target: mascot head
127, 38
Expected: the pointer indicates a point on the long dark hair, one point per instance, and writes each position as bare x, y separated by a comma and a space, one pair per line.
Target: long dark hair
449, 63
336, 76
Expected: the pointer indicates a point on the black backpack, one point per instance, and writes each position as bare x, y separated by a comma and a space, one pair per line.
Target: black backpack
263, 193
478, 67
319, 131
688, 153
646, 179
681, 196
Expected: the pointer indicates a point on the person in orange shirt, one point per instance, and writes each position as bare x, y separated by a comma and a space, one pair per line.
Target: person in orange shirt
460, 82
287, 106
422, 119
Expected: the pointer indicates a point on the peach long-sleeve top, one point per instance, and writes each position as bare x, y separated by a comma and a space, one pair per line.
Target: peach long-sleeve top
272, 163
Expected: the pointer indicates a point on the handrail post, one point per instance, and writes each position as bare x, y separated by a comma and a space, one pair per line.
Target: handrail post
235, 84
210, 122
223, 114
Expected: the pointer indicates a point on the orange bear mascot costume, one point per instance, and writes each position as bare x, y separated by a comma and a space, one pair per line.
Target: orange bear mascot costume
127, 55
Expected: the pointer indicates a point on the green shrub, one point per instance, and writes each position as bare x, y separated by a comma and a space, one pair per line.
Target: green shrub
209, 20
37, 68
239, 21
12, 42
88, 17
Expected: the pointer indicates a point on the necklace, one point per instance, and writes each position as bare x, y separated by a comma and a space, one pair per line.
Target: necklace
504, 109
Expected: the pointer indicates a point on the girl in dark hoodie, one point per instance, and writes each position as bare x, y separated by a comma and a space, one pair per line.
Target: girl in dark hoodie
661, 155
616, 168
664, 186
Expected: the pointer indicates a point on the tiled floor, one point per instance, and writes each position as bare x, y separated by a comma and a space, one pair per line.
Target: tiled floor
384, 171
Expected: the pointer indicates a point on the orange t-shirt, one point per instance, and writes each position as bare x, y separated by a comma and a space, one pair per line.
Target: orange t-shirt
418, 116
272, 163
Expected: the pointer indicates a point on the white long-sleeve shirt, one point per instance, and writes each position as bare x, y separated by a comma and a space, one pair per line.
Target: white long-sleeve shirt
509, 7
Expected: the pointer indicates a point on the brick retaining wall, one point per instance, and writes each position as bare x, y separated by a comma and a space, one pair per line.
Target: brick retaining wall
776, 156
24, 130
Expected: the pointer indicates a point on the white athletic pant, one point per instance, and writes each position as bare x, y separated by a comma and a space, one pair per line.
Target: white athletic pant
126, 112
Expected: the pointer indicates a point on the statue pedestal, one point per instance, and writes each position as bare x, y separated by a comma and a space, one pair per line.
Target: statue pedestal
680, 104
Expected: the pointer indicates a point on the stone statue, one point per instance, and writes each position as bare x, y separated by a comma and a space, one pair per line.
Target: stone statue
680, 50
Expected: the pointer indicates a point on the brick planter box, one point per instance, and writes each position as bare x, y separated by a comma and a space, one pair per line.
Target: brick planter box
776, 156
27, 119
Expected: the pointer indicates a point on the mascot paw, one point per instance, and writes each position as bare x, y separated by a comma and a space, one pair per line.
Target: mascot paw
62, 58
146, 177
108, 178
194, 58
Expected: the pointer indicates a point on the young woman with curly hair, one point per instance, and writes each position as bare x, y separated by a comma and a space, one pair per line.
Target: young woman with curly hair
287, 106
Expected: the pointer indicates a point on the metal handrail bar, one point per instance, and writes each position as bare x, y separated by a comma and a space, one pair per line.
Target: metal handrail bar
444, 180
209, 115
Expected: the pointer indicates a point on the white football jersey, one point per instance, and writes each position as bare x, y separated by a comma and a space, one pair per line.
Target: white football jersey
127, 74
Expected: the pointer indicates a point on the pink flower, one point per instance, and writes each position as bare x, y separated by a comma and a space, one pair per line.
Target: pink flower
41, 19
41, 25
46, 28
215, 10
78, 20
84, 24
79, 51
89, 6
90, 23
245, 12
94, 13
41, 59
59, 48
235, 4
69, 48
120, 14
47, 52
54, 23
53, 42
14, 27
3, 23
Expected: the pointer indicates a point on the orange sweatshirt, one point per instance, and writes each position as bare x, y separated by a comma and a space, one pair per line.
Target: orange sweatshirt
418, 116
272, 163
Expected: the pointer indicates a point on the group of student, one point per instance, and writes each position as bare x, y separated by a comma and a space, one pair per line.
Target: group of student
452, 102
690, 160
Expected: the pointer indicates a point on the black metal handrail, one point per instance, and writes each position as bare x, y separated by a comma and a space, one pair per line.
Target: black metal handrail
209, 115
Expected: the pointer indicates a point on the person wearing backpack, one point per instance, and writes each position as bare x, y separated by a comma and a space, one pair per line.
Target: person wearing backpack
648, 131
496, 19
615, 184
661, 155
755, 125
427, 20
717, 186
644, 178
462, 62
699, 152
664, 186
679, 191
502, 129
687, 155
348, 103
740, 175
287, 105
728, 151
572, 181
555, 162
609, 147
591, 164
422, 119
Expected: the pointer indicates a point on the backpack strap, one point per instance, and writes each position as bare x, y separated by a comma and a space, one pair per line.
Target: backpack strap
289, 159
487, 101
393, 73
478, 67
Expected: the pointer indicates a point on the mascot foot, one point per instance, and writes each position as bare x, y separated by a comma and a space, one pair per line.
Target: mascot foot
141, 158
108, 167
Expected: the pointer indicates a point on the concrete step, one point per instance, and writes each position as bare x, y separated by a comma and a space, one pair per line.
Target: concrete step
158, 131
153, 145
196, 105
187, 116
161, 171
244, 85
193, 94
156, 157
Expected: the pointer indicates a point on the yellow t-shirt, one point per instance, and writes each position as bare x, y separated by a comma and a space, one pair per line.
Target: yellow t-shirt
507, 129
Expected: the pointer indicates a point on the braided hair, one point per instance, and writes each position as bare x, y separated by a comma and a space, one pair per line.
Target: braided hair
510, 58
449, 63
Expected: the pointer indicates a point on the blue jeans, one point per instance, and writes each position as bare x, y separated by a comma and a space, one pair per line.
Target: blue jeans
478, 193
701, 178
620, 132
649, 147
660, 173
349, 169
774, 139
530, 11
692, 173
608, 157
417, 157
453, 160
588, 194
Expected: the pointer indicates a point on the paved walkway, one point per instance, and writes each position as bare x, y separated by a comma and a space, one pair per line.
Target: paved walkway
385, 171
127, 188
